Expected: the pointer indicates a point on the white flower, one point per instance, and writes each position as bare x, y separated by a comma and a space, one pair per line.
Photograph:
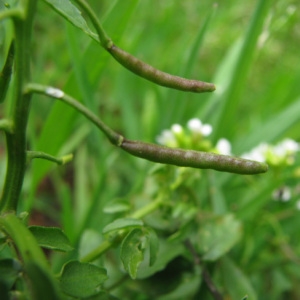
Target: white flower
176, 129
298, 205
206, 129
196, 126
258, 153
223, 146
286, 147
167, 138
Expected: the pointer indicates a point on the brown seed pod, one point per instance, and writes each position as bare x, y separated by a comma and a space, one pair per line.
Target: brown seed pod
193, 159
161, 78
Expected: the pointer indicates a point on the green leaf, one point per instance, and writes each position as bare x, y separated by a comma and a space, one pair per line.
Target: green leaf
9, 271
153, 245
132, 252
233, 93
51, 238
82, 280
217, 236
273, 128
70, 12
122, 224
166, 253
116, 206
236, 282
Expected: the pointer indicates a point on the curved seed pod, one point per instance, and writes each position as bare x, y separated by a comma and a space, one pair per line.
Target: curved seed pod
6, 72
161, 78
193, 159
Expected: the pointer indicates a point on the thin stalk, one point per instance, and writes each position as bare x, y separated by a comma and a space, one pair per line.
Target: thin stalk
114, 137
16, 141
7, 126
58, 160
15, 13
105, 40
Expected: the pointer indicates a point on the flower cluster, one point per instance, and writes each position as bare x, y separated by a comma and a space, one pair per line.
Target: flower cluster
281, 154
193, 136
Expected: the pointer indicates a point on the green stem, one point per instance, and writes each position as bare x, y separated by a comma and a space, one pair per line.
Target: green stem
16, 142
59, 160
106, 245
15, 13
7, 126
5, 75
114, 137
35, 263
23, 239
105, 40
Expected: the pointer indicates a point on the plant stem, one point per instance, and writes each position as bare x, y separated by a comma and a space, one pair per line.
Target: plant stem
7, 125
105, 40
205, 274
15, 13
16, 141
59, 160
6, 72
23, 239
114, 137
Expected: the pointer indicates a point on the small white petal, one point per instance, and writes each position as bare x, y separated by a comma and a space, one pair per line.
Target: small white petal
194, 125
290, 145
258, 153
176, 128
206, 129
166, 138
223, 146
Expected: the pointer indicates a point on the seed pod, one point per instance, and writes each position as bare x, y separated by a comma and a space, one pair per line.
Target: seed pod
161, 78
193, 159
6, 72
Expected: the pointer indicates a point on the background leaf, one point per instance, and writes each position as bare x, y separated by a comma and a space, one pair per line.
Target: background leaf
216, 237
82, 280
122, 224
72, 14
51, 238
132, 252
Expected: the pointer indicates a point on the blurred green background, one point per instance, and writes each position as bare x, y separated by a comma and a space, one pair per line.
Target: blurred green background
250, 50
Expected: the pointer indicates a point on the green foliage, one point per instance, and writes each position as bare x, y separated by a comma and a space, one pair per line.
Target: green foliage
51, 238
118, 227
82, 280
